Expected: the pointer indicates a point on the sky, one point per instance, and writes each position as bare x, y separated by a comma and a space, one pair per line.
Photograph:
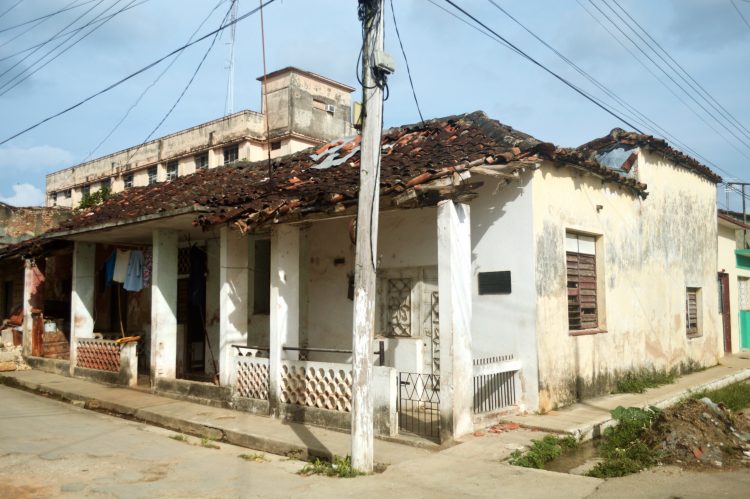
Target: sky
455, 70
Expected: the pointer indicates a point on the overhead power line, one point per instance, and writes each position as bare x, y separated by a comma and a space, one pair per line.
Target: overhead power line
152, 84
408, 70
37, 23
545, 68
10, 8
132, 75
66, 8
744, 19
4, 89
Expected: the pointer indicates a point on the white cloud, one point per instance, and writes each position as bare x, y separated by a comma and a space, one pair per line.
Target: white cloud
38, 158
24, 195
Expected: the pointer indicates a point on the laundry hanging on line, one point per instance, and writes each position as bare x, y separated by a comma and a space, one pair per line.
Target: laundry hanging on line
134, 276
122, 260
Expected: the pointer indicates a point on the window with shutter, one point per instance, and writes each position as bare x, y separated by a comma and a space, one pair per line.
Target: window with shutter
581, 277
692, 301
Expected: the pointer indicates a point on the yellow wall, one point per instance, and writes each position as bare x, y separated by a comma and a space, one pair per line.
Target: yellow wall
648, 252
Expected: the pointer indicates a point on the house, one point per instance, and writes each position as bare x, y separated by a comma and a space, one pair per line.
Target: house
304, 109
512, 275
734, 276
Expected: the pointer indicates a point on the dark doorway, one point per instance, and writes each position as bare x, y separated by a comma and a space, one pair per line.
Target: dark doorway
191, 310
726, 316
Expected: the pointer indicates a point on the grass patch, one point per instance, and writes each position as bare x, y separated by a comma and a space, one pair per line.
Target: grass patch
179, 437
642, 379
340, 467
209, 444
543, 451
735, 397
256, 458
622, 447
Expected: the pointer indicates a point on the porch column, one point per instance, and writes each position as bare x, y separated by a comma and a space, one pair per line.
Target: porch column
454, 284
81, 297
212, 304
33, 301
164, 305
233, 306
284, 320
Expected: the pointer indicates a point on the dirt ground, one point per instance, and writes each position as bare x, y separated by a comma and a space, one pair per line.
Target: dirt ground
670, 482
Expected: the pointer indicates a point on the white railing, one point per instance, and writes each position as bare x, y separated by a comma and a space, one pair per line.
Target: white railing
102, 355
251, 374
495, 383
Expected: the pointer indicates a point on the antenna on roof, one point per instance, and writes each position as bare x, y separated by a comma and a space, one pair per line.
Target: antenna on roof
229, 104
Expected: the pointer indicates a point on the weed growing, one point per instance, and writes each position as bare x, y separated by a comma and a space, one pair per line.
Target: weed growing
179, 437
642, 379
256, 458
623, 448
209, 444
735, 397
340, 467
543, 451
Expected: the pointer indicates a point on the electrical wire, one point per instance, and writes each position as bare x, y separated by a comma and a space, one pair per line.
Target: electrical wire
10, 8
186, 87
46, 16
151, 85
265, 97
744, 19
546, 69
33, 26
408, 70
130, 76
4, 89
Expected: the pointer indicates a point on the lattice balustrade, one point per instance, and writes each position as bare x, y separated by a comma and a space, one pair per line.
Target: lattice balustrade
317, 384
103, 355
252, 378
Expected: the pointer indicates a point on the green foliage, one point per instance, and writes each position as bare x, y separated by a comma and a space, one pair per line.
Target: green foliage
543, 451
622, 448
92, 199
256, 458
735, 397
179, 437
340, 467
209, 444
640, 380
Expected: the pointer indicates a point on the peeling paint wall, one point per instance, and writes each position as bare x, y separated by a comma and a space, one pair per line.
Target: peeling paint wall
648, 252
18, 224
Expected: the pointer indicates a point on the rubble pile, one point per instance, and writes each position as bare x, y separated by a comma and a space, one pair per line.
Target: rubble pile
701, 434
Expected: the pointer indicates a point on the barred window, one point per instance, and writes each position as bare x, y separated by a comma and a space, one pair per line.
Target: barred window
692, 311
201, 161
171, 170
231, 154
152, 179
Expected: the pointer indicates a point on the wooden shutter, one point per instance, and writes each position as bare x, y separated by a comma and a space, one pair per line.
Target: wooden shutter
691, 311
582, 313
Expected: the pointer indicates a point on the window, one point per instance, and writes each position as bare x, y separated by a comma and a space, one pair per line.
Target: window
231, 154
262, 280
105, 185
398, 303
53, 198
127, 180
276, 145
692, 311
152, 172
85, 190
201, 161
171, 170
581, 273
68, 193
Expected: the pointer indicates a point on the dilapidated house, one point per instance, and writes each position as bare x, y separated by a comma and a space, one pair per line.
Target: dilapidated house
512, 275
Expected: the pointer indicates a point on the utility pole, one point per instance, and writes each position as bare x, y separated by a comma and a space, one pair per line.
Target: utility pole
744, 208
370, 12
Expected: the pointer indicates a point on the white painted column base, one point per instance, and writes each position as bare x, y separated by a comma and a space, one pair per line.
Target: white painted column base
82, 297
164, 305
233, 297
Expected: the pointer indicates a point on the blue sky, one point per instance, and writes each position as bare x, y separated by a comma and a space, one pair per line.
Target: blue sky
455, 70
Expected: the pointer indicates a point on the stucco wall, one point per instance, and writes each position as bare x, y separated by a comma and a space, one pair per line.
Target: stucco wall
648, 252
727, 262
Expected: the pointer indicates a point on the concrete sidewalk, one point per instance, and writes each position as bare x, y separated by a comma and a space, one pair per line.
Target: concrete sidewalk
587, 419
234, 427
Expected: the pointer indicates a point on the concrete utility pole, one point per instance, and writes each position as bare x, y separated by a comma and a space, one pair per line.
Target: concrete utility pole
367, 234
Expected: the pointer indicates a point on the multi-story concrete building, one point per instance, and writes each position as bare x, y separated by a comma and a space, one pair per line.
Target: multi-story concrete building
304, 109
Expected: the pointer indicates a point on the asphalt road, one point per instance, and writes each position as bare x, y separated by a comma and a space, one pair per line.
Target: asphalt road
52, 449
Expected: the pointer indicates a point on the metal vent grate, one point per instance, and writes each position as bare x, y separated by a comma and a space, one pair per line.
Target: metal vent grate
494, 283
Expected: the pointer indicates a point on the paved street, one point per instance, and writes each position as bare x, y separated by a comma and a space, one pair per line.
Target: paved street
53, 449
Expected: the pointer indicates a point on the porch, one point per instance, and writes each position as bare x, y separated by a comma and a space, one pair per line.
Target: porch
267, 317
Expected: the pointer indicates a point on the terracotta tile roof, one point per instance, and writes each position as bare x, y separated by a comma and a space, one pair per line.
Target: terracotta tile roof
588, 152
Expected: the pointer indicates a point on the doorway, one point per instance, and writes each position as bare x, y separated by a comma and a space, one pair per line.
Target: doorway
726, 317
744, 305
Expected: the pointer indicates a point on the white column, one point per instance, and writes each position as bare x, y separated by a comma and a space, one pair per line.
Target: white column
164, 305
233, 306
284, 320
454, 283
212, 303
81, 297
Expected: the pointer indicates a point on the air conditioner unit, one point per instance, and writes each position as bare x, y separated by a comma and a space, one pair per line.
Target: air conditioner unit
330, 108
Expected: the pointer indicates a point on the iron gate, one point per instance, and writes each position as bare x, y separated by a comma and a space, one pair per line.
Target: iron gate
419, 404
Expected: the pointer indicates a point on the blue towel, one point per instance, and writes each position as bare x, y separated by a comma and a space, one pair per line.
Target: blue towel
134, 276
109, 269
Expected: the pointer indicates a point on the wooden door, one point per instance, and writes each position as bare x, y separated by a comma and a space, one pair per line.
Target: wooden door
726, 317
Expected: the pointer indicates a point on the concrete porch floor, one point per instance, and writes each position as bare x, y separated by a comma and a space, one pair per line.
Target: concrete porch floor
588, 418
227, 425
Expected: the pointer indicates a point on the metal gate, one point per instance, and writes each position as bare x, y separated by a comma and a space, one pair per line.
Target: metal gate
419, 404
